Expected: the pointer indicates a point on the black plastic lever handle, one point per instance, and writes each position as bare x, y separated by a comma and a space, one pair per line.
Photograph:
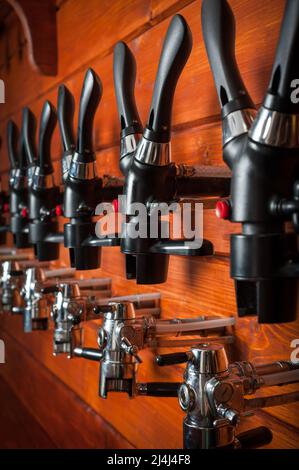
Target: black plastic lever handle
47, 126
159, 389
89, 101
28, 133
65, 113
91, 354
175, 53
12, 144
124, 71
254, 438
286, 64
218, 26
171, 359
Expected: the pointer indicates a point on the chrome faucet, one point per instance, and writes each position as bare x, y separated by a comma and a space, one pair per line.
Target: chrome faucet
214, 396
123, 334
73, 306
36, 304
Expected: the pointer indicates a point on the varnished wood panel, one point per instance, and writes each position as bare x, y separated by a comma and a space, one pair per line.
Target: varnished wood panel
68, 421
16, 422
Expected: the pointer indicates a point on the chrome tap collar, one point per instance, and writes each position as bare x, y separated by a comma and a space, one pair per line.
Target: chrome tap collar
82, 171
40, 181
153, 153
128, 144
275, 129
30, 174
237, 123
19, 180
66, 164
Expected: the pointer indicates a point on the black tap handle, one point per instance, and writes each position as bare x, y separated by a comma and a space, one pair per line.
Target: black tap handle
286, 65
50, 289
65, 112
124, 71
183, 248
28, 133
47, 126
89, 101
254, 438
91, 354
159, 389
175, 53
172, 358
12, 144
17, 272
218, 26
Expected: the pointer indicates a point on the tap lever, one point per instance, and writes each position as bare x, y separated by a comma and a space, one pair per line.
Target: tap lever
183, 247
124, 70
175, 53
255, 438
47, 126
286, 66
12, 144
88, 353
89, 101
172, 359
130, 348
194, 325
158, 389
28, 136
65, 112
218, 26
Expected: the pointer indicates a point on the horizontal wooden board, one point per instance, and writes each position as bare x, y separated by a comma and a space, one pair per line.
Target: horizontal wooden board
18, 428
68, 420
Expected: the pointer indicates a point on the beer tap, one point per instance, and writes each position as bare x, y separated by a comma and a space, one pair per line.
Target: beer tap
36, 305
263, 153
216, 395
123, 335
72, 307
18, 190
151, 179
65, 112
84, 190
11, 280
44, 195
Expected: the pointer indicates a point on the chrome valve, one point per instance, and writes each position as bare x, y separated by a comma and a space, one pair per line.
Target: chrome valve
214, 396
124, 334
36, 304
72, 307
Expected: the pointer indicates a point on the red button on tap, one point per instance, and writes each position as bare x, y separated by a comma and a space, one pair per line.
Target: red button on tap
5, 207
223, 209
115, 205
58, 210
24, 212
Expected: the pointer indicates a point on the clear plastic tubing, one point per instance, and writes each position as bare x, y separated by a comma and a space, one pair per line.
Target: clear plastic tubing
93, 282
7, 251
58, 272
135, 298
166, 327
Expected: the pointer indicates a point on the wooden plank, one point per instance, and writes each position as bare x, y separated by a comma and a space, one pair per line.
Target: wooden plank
19, 429
123, 413
70, 423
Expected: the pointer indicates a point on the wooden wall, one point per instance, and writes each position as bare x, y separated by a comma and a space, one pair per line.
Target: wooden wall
61, 395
